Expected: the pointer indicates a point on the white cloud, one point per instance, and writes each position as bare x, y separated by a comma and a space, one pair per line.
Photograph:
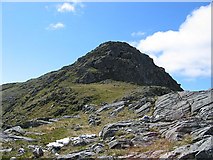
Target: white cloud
70, 7
185, 52
139, 33
55, 26
66, 7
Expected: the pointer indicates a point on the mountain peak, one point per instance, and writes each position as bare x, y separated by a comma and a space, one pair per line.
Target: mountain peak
121, 62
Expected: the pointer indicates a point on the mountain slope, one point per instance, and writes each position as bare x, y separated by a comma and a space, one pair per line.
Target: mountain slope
63, 92
113, 103
177, 125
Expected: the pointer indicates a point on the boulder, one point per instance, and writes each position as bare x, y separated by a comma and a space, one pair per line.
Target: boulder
120, 144
146, 118
38, 152
21, 151
55, 146
110, 129
83, 139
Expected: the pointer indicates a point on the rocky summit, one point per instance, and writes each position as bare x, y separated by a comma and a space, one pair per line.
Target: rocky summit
121, 62
113, 103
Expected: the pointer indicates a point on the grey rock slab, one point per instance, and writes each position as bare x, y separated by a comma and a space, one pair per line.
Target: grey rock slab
15, 130
77, 155
94, 119
108, 106
83, 139
14, 137
97, 148
145, 139
35, 133
89, 108
58, 144
201, 132
170, 107
206, 113
110, 129
177, 105
35, 123
120, 144
200, 150
104, 157
197, 99
144, 108
176, 132
6, 150
117, 110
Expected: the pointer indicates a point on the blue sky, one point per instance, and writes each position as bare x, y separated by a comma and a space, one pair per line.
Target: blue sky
42, 37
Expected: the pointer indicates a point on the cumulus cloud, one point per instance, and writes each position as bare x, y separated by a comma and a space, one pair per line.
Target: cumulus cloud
139, 33
66, 7
55, 26
185, 52
69, 7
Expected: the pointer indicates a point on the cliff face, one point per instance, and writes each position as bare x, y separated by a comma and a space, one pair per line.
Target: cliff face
121, 62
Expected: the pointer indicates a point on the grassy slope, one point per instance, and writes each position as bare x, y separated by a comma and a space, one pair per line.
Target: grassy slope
23, 102
43, 98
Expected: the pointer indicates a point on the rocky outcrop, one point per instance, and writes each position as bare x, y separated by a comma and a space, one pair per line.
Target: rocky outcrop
13, 134
174, 106
178, 125
121, 62
202, 149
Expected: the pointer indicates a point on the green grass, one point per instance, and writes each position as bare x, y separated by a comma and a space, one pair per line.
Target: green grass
66, 98
102, 92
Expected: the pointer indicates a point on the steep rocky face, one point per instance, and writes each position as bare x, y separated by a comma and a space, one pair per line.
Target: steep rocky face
121, 62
